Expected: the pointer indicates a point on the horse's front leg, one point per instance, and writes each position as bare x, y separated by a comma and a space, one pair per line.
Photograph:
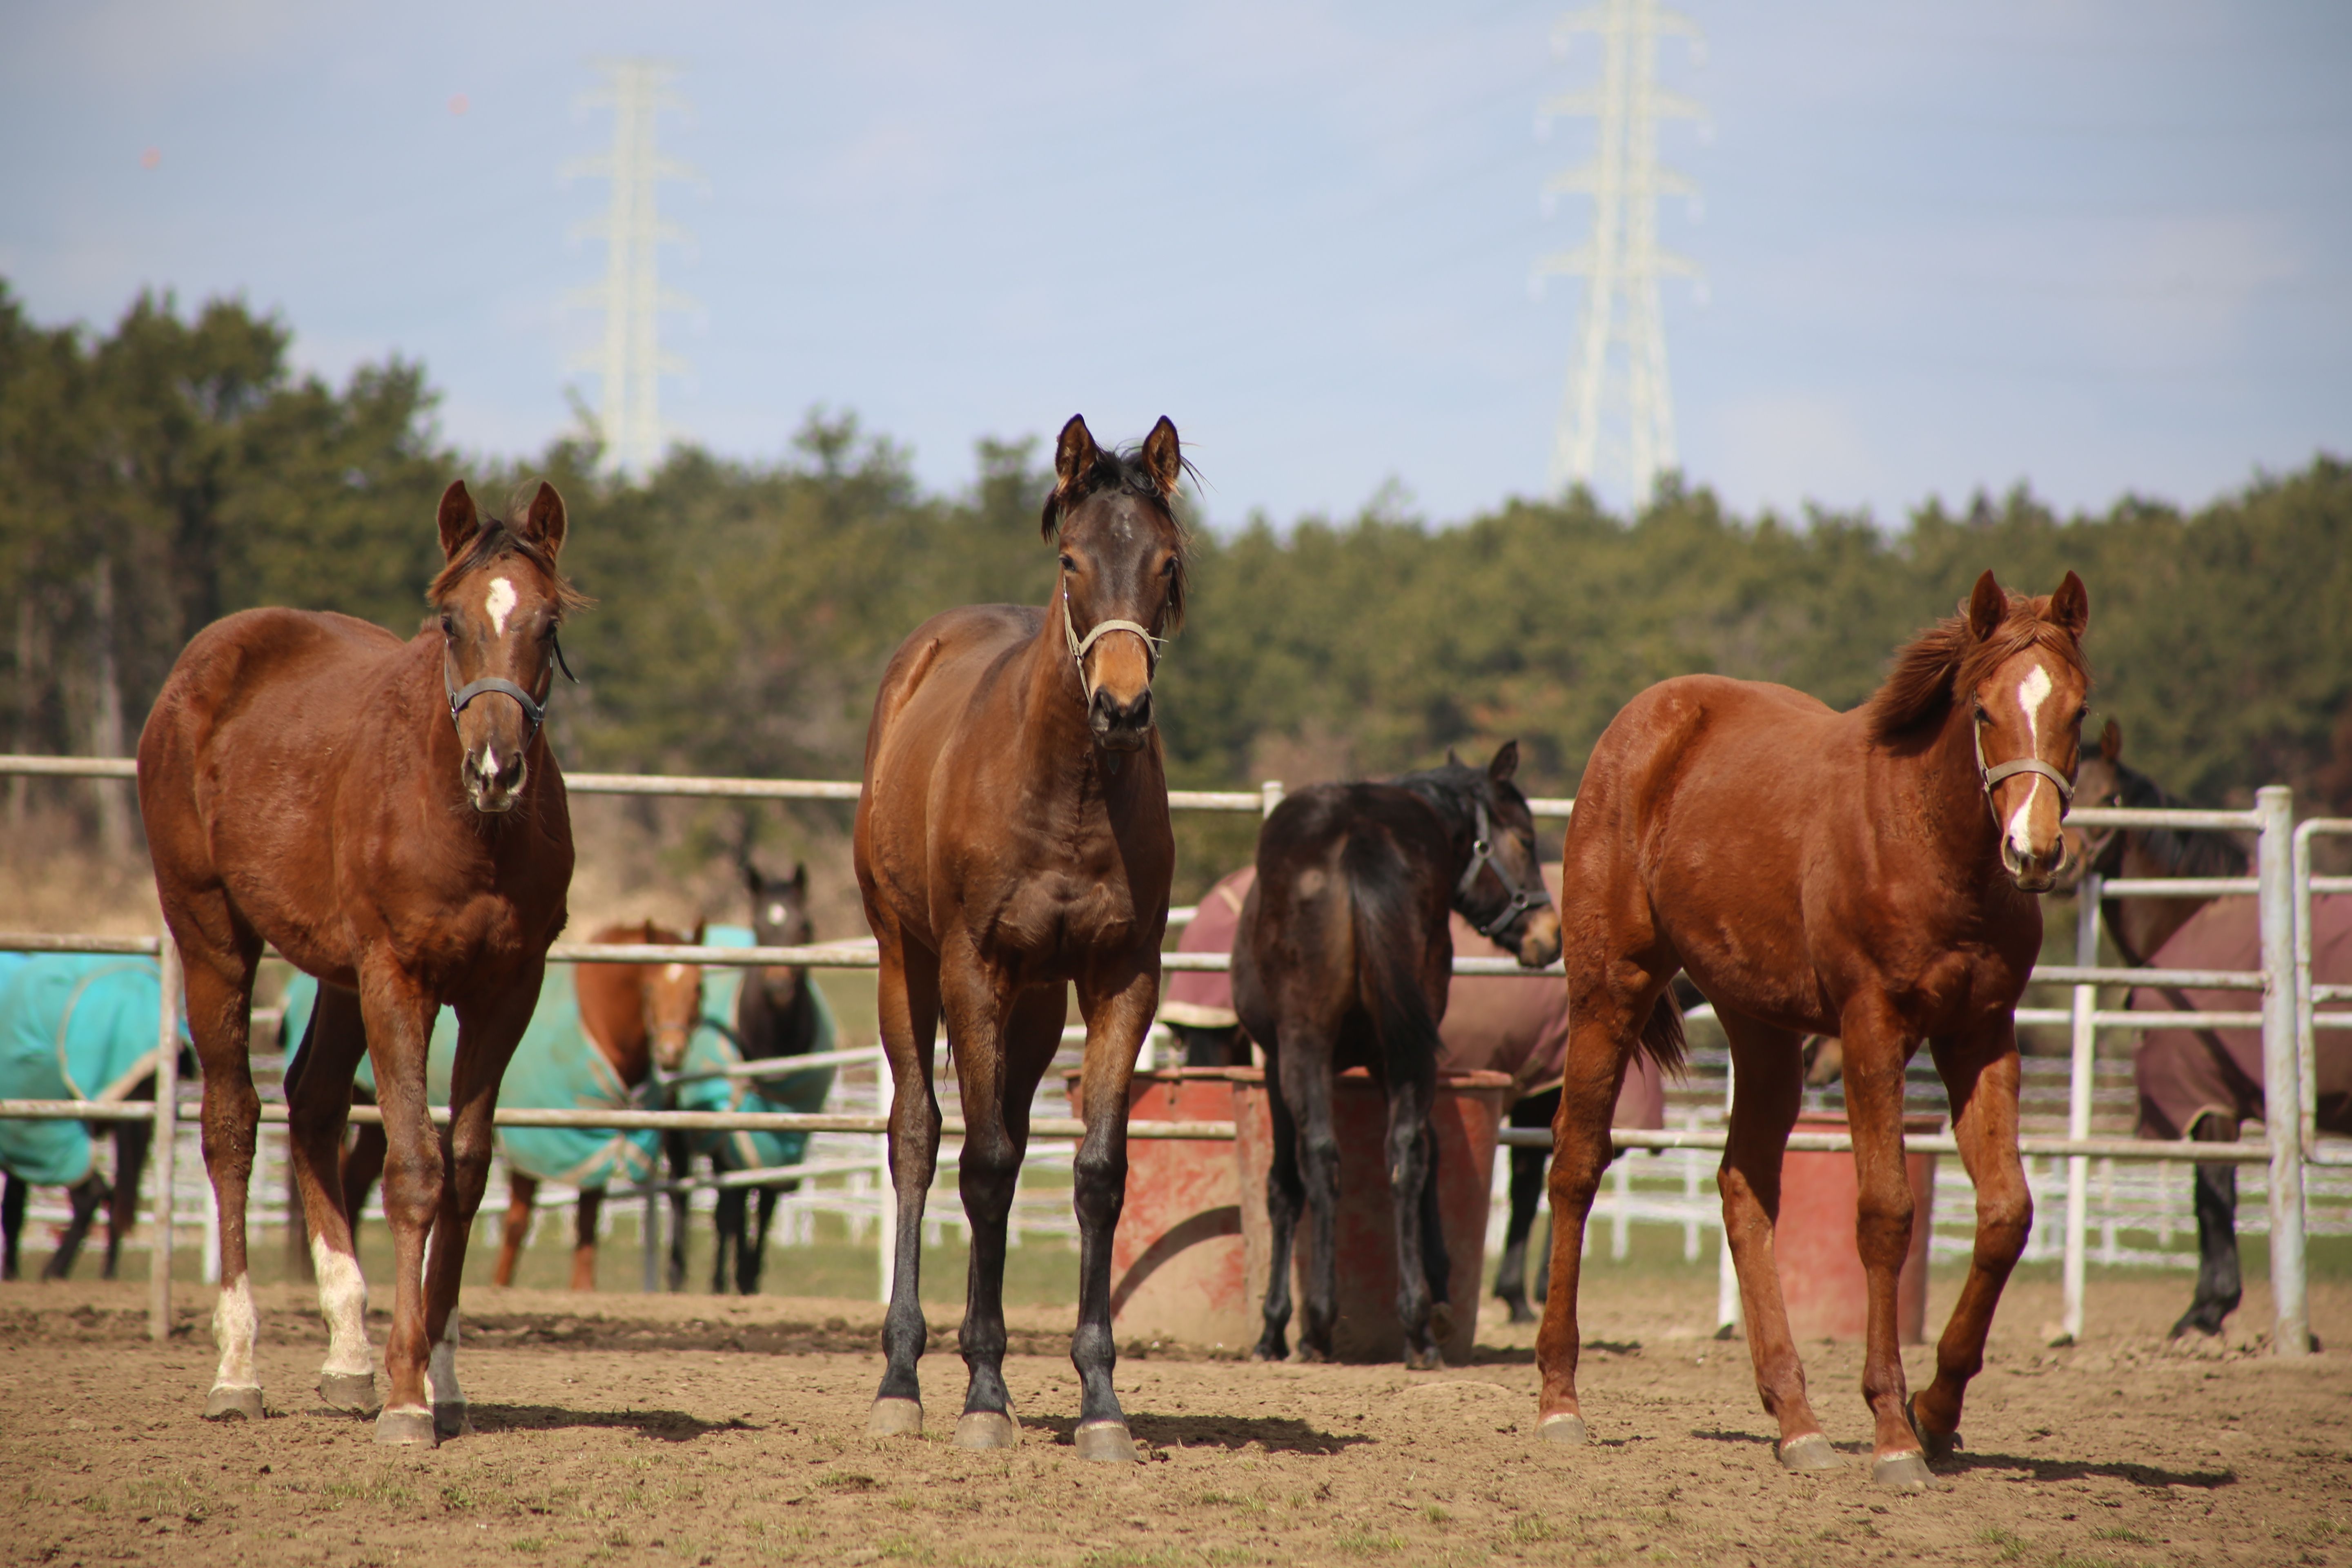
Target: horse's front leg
2214, 1192
1118, 1008
583, 1238
522, 1205
488, 1029
680, 1156
1526, 1191
13, 1193
907, 996
1876, 1051
1980, 1077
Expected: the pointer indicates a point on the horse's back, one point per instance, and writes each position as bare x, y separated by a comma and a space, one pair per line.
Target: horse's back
252, 654
931, 681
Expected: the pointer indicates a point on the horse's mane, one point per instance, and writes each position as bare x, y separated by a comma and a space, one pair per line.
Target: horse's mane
498, 538
2181, 854
1946, 658
1122, 472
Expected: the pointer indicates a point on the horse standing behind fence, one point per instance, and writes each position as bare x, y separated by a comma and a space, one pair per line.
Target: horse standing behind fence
1342, 958
1012, 839
74, 1025
389, 816
760, 1014
1870, 875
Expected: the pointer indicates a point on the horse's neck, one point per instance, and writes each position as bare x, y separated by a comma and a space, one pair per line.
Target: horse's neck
767, 1030
1950, 786
1057, 746
2141, 927
613, 1016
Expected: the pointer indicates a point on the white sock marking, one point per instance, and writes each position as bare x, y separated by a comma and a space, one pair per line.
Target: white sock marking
441, 1367
2031, 693
343, 1302
236, 1327
500, 604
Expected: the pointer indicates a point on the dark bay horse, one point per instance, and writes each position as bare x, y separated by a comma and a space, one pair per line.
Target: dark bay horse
1869, 875
1013, 840
1343, 957
778, 1013
389, 816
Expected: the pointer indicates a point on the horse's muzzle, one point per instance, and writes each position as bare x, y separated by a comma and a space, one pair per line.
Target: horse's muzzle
494, 779
1539, 942
1120, 726
2034, 874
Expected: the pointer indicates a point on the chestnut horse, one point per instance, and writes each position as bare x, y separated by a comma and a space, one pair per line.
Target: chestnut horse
1869, 875
1012, 839
389, 817
1344, 957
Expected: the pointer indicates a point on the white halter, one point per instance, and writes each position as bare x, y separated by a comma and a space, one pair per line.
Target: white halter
1078, 645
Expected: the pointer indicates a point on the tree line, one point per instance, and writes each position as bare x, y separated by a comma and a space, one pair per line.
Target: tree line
175, 469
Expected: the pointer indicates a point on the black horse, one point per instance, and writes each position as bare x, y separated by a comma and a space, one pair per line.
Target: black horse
1343, 959
119, 1197
776, 1014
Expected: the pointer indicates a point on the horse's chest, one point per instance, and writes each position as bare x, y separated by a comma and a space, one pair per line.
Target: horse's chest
1053, 920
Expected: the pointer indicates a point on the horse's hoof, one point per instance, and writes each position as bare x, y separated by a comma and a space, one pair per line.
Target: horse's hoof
1904, 1473
1307, 1355
1423, 1360
1564, 1428
411, 1427
987, 1429
1519, 1311
1934, 1445
233, 1404
349, 1393
452, 1421
1810, 1452
1441, 1323
895, 1418
1107, 1440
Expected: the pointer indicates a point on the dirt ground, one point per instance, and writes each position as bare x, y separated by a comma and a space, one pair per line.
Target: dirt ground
704, 1431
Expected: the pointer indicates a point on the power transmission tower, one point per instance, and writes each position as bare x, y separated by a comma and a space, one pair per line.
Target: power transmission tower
631, 296
1619, 364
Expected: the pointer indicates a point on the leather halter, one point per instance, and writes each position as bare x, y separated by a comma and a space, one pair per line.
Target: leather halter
1482, 855
1989, 777
534, 710
1078, 646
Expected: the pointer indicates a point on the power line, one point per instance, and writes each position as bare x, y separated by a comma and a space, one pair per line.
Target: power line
1619, 364
631, 296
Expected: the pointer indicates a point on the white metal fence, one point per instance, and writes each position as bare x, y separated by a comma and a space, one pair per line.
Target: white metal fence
2076, 1174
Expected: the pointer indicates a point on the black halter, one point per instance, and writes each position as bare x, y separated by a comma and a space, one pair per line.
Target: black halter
534, 710
1482, 855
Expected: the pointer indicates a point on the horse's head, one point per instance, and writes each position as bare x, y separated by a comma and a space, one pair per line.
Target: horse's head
673, 999
2028, 688
1501, 890
779, 918
2099, 780
501, 599
1121, 589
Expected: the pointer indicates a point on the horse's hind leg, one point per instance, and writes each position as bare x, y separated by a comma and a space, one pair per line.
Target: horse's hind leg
317, 1101
1285, 1200
751, 1261
2219, 1287
523, 1202
681, 1165
1307, 1087
132, 1140
12, 1221
1527, 1191
583, 1238
1603, 1029
85, 1195
1420, 1239
1980, 1077
219, 959
727, 1226
908, 1003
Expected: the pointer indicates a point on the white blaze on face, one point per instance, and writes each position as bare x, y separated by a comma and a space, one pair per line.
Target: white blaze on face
2031, 693
500, 604
235, 1329
343, 1302
674, 973
775, 914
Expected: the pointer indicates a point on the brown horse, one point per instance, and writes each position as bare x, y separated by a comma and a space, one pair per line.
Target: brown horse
1869, 875
1012, 839
388, 816
2138, 926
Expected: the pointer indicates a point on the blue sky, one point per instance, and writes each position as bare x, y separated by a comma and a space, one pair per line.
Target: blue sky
2094, 246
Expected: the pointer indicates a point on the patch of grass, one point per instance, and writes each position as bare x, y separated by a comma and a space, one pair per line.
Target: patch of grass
847, 1481
1436, 1514
390, 1494
1368, 1543
904, 1504
1530, 1528
903, 1548
2010, 1546
2117, 1532
1128, 1557
528, 1544
2071, 1560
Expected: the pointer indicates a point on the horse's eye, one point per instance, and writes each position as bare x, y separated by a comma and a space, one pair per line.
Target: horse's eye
448, 627
1069, 565
1169, 570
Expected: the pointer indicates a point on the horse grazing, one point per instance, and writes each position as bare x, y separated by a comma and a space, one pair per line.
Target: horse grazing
389, 817
1343, 958
1012, 839
1869, 875
75, 1026
771, 1013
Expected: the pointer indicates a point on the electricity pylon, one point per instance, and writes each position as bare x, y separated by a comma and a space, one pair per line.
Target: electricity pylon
1620, 359
631, 296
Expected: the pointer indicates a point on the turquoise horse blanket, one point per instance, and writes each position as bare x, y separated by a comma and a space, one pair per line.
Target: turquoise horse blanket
73, 1026
715, 1047
556, 1066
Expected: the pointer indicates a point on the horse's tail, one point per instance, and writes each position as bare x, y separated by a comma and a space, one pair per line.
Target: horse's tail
1388, 944
1662, 1035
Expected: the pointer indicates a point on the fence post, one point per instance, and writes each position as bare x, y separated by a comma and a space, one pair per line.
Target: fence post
2306, 1059
2281, 1086
167, 1135
2083, 1078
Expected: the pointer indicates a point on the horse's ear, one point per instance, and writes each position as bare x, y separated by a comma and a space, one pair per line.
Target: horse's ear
2070, 607
1163, 458
1451, 760
701, 929
1075, 457
752, 879
459, 520
2111, 742
1988, 607
799, 878
1505, 763
544, 521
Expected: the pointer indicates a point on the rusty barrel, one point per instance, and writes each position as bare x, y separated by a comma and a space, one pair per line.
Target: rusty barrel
1467, 1116
1821, 1265
1176, 1268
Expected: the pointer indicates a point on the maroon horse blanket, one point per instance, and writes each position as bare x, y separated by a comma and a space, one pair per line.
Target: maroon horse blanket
2187, 1074
1507, 1024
